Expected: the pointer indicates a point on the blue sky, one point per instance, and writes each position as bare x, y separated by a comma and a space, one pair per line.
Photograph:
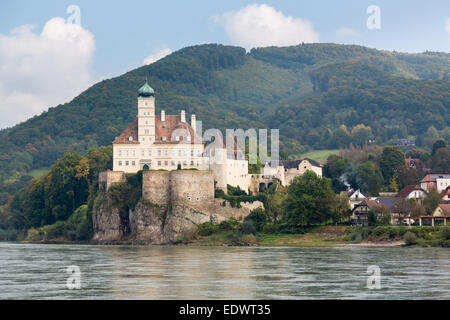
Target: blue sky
117, 36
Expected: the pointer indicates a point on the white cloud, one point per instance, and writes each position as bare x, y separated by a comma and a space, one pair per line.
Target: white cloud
38, 71
447, 26
157, 55
345, 32
261, 26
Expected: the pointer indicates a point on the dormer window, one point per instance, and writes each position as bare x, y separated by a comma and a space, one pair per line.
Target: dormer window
177, 138
188, 138
163, 138
130, 138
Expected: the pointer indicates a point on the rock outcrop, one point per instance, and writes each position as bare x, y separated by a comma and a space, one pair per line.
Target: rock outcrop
156, 224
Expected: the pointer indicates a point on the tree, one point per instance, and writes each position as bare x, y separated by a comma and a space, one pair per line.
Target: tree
372, 219
309, 200
393, 185
407, 176
431, 201
335, 169
438, 145
369, 178
440, 162
275, 202
391, 159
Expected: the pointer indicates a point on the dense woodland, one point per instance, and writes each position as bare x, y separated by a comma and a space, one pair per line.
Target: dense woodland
320, 96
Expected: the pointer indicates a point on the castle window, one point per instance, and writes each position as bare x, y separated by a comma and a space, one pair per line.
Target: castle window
179, 153
126, 152
166, 152
120, 163
173, 162
192, 153
142, 152
127, 163
146, 131
133, 163
173, 153
120, 152
198, 153
184, 163
133, 152
192, 163
184, 153
159, 163
166, 163
149, 152
159, 152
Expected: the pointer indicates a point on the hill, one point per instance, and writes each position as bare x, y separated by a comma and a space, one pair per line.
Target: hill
321, 96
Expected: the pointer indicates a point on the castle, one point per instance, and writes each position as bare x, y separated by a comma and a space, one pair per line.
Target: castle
168, 142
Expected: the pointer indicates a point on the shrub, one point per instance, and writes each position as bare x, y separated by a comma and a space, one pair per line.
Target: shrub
248, 227
410, 238
270, 228
445, 232
207, 229
258, 217
229, 224
8, 235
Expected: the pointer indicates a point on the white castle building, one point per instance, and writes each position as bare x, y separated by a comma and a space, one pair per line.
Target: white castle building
155, 142
169, 142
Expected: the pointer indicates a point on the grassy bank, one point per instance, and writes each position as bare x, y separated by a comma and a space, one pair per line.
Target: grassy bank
234, 234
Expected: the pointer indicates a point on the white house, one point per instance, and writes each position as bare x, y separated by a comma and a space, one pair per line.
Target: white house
355, 197
286, 170
440, 182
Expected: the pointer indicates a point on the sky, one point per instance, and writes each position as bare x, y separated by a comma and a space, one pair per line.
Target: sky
52, 50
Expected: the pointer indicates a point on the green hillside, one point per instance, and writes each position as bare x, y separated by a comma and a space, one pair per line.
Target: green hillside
321, 96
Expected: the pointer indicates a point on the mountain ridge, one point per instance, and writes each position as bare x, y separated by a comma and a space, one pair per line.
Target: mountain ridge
229, 88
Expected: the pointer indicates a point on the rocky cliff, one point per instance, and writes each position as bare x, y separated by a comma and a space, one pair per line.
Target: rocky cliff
156, 224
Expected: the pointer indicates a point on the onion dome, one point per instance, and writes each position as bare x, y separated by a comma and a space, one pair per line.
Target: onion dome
146, 90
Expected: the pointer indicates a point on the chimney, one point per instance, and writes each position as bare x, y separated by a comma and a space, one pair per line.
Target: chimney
193, 123
183, 116
163, 115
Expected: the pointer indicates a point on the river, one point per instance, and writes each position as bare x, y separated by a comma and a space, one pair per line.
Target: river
38, 271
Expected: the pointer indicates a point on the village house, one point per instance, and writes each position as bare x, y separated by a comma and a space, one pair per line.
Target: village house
286, 170
412, 192
355, 197
445, 195
361, 211
439, 182
413, 163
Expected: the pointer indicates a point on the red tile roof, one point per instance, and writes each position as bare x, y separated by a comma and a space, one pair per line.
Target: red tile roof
445, 208
173, 123
162, 129
407, 190
432, 177
412, 162
131, 131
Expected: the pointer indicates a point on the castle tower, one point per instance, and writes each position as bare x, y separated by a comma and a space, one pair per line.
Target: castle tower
146, 114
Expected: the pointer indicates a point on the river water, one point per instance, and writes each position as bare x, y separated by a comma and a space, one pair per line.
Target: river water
34, 271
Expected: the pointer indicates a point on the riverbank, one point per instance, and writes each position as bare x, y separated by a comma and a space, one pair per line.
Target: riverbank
323, 236
381, 236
